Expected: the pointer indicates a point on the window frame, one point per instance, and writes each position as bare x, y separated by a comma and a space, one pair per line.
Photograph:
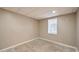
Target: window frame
56, 20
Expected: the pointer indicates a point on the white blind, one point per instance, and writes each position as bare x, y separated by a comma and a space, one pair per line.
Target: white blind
52, 26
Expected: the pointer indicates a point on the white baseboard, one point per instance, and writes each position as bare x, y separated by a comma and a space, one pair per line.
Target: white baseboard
62, 44
13, 46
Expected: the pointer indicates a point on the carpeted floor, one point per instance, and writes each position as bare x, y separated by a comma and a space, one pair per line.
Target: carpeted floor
40, 45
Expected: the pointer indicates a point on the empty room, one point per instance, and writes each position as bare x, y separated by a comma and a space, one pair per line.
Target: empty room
39, 29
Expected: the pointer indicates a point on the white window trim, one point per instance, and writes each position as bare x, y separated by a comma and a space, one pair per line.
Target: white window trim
52, 22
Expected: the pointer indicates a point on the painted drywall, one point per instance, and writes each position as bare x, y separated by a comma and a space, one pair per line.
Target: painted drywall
77, 29
66, 30
15, 28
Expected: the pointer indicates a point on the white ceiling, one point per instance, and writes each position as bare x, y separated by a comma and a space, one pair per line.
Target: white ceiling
42, 12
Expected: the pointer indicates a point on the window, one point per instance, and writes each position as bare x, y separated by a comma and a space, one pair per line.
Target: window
52, 26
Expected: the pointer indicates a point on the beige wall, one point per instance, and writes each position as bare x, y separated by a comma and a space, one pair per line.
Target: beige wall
66, 30
78, 28
15, 28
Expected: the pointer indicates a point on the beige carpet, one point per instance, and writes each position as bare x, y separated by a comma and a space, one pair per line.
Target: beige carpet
40, 45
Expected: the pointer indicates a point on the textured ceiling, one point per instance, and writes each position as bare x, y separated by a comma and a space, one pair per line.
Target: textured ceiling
42, 12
